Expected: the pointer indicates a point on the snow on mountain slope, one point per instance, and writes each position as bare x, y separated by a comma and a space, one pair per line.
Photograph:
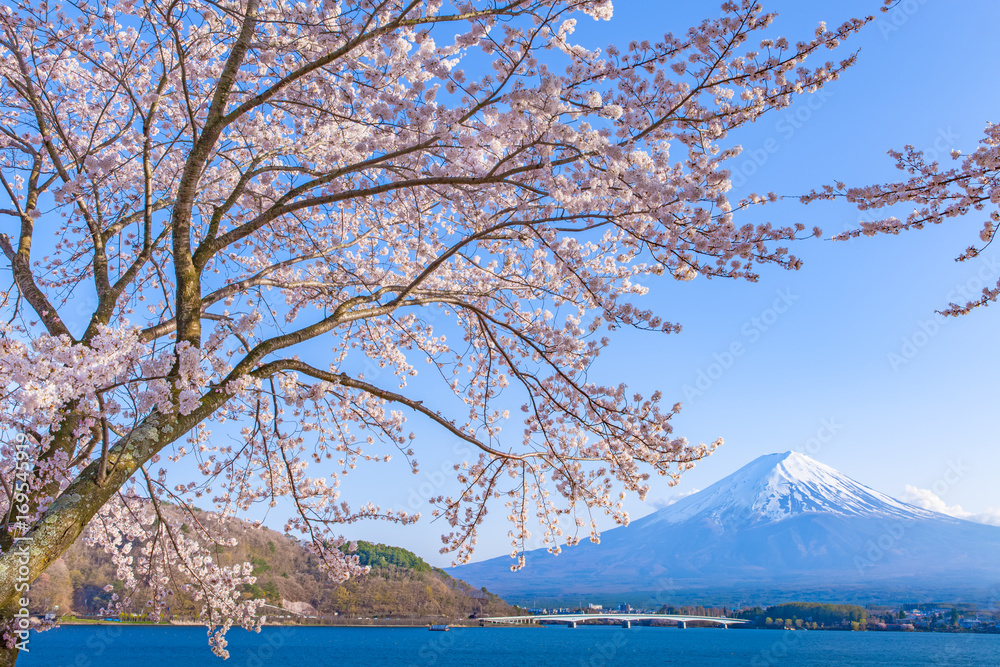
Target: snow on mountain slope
778, 486
783, 522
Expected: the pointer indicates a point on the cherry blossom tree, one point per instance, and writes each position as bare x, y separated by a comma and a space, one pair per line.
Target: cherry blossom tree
936, 193
262, 217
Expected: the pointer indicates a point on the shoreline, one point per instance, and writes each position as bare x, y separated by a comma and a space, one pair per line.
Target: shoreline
493, 626
425, 626
182, 624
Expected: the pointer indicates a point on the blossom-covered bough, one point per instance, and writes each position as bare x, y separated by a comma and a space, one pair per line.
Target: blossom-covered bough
937, 192
262, 217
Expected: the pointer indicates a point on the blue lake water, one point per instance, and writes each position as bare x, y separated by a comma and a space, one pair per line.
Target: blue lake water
556, 646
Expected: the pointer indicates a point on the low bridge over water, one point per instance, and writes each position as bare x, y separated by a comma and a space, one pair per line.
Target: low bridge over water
571, 620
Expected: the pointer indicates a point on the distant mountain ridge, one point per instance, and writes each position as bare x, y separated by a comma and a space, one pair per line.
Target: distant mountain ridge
782, 527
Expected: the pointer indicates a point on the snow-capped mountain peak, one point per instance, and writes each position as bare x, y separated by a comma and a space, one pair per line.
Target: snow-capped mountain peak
777, 486
782, 527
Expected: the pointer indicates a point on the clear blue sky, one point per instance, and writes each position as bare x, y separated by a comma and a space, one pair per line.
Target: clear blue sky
927, 76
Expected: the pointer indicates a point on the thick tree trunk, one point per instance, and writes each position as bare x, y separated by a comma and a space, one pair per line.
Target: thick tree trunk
65, 519
8, 656
10, 622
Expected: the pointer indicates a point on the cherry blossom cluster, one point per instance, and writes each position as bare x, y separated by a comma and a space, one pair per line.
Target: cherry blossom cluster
151, 553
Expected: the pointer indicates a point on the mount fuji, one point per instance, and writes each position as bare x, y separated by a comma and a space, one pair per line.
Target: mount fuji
782, 527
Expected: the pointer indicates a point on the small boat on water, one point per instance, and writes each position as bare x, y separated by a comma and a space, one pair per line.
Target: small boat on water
439, 628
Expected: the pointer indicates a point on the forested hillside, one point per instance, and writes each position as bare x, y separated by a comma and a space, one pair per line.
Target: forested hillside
400, 584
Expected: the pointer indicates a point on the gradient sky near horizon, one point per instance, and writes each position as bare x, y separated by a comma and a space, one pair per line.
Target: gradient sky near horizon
844, 359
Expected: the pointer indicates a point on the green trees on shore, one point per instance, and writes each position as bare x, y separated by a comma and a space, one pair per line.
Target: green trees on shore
806, 614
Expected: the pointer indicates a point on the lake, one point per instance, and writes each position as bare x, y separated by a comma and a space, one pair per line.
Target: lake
555, 646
